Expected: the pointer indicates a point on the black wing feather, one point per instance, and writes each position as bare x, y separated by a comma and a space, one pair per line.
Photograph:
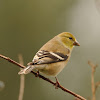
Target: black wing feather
45, 57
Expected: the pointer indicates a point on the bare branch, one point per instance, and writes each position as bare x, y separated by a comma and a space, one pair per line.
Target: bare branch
44, 78
97, 85
22, 80
93, 68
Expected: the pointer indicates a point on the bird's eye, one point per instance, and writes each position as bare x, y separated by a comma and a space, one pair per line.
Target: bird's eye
70, 38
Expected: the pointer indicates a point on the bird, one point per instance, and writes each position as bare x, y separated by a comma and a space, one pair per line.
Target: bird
53, 56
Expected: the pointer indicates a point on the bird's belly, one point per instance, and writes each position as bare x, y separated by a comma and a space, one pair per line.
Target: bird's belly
53, 69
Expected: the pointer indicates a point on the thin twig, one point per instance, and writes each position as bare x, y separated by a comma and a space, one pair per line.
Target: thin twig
97, 85
93, 68
22, 80
44, 78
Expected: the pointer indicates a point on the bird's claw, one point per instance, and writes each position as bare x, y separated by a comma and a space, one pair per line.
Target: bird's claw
57, 83
37, 74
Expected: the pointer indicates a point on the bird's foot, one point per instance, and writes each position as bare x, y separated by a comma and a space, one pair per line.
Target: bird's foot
37, 74
57, 83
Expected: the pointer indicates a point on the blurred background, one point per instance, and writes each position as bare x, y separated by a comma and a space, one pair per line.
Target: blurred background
25, 25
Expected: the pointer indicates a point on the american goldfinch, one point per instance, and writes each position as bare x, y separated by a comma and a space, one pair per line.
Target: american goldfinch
53, 56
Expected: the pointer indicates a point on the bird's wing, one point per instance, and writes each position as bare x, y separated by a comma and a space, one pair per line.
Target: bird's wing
46, 57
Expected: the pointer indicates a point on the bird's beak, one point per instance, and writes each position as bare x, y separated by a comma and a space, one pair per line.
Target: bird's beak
76, 43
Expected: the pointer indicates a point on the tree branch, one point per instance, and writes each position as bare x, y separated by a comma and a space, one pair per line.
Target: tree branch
44, 78
93, 68
22, 80
97, 85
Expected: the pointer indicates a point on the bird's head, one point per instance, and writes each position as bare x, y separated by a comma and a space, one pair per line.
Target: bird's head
68, 40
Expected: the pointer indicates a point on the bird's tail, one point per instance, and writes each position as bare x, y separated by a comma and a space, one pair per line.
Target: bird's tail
26, 70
